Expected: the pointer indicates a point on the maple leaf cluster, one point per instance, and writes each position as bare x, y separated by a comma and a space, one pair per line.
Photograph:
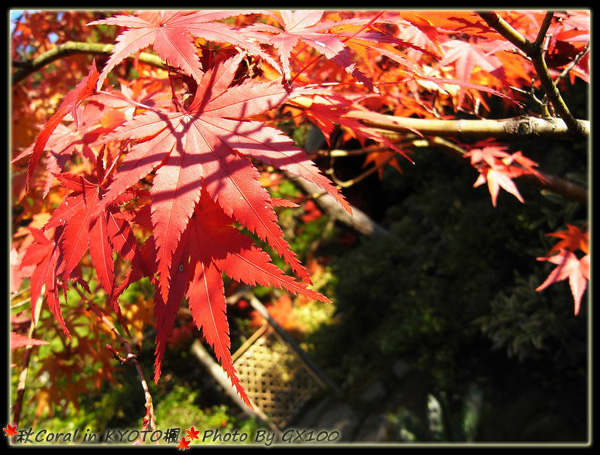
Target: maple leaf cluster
159, 175
498, 168
571, 255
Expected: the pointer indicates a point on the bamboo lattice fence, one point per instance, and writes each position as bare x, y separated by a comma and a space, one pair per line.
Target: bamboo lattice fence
274, 376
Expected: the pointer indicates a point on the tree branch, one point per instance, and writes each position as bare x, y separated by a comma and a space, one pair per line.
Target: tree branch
539, 41
358, 221
507, 32
535, 52
512, 128
519, 127
71, 48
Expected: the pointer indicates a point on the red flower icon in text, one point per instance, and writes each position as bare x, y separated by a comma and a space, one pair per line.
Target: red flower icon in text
10, 431
192, 433
183, 444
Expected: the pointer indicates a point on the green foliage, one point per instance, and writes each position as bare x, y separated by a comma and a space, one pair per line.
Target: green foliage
531, 325
452, 293
179, 409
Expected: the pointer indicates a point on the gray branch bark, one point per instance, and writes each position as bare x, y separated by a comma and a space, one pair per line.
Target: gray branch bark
509, 129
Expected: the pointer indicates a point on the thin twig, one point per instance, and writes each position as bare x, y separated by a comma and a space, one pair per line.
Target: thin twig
22, 379
572, 65
506, 30
71, 48
25, 366
21, 386
535, 52
539, 41
360, 177
131, 357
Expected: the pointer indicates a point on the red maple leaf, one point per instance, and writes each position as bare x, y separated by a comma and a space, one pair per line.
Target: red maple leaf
18, 341
45, 255
84, 229
94, 120
497, 178
209, 247
488, 154
183, 444
305, 26
498, 168
10, 430
467, 57
329, 110
208, 145
82, 91
192, 433
568, 266
171, 34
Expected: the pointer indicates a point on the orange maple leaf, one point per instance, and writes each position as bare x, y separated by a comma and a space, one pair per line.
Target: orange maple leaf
572, 239
379, 159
